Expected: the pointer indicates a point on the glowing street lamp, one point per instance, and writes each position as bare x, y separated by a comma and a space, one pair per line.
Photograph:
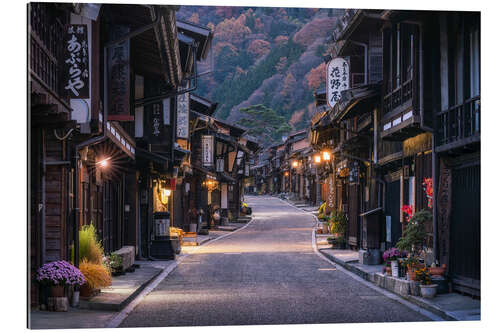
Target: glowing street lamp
326, 156
104, 162
317, 159
295, 164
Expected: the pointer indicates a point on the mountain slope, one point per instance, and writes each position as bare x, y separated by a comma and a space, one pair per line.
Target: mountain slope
269, 56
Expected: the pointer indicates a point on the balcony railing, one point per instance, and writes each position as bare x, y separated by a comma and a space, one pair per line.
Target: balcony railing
357, 79
46, 35
399, 96
459, 122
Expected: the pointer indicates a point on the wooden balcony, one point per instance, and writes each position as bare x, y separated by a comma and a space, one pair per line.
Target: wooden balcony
46, 31
399, 99
401, 115
459, 126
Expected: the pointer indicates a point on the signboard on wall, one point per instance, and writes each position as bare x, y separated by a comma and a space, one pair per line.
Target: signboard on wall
337, 79
76, 58
330, 194
183, 116
119, 76
156, 121
207, 144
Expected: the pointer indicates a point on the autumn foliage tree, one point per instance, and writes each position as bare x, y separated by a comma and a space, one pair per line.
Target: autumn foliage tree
232, 30
316, 76
259, 47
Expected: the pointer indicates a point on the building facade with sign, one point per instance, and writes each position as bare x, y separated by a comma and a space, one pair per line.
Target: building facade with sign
108, 151
408, 127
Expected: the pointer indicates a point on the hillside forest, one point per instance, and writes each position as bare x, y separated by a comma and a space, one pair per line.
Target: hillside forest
265, 63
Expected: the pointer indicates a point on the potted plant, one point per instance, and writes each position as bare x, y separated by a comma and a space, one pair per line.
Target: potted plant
435, 269
427, 289
114, 263
414, 234
337, 242
393, 255
338, 223
413, 263
59, 274
387, 268
96, 276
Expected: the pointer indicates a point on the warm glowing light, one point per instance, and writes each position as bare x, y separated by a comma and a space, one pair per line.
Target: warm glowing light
295, 164
103, 163
317, 158
166, 192
326, 156
286, 174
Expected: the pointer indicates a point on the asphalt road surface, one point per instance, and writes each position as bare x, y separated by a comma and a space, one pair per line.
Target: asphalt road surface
267, 273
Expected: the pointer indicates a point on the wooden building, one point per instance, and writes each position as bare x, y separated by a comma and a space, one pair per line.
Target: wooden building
108, 124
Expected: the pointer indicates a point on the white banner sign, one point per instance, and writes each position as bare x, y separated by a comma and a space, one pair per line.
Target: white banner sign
207, 144
337, 79
183, 116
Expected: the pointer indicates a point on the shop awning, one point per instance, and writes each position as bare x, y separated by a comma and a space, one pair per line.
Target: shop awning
154, 52
201, 105
356, 101
202, 36
155, 157
204, 171
118, 135
225, 178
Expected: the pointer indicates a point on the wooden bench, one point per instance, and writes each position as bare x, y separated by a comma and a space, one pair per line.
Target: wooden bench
184, 234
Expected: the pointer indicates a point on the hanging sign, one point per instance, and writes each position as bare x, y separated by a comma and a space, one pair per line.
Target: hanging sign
76, 61
155, 116
207, 144
247, 169
330, 200
337, 79
119, 77
183, 116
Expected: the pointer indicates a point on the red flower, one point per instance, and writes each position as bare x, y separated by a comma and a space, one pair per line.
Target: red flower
428, 191
408, 210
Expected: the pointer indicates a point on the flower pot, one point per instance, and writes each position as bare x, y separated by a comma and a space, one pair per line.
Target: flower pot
86, 290
437, 270
429, 290
75, 300
394, 268
57, 291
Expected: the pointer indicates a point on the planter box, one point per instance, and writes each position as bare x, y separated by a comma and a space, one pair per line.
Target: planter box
127, 253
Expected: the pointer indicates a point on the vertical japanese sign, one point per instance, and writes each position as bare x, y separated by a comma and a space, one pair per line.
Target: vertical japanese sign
183, 116
76, 61
337, 79
156, 122
207, 145
119, 77
330, 199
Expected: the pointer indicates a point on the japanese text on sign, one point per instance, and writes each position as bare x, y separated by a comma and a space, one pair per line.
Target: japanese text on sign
183, 116
76, 61
337, 79
207, 143
119, 72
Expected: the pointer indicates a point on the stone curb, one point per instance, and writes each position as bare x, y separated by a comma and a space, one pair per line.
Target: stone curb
410, 298
90, 305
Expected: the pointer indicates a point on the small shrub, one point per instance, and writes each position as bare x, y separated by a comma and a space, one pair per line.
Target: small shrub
414, 234
96, 275
90, 248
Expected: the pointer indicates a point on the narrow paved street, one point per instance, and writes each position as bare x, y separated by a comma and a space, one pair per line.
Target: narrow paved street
267, 273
